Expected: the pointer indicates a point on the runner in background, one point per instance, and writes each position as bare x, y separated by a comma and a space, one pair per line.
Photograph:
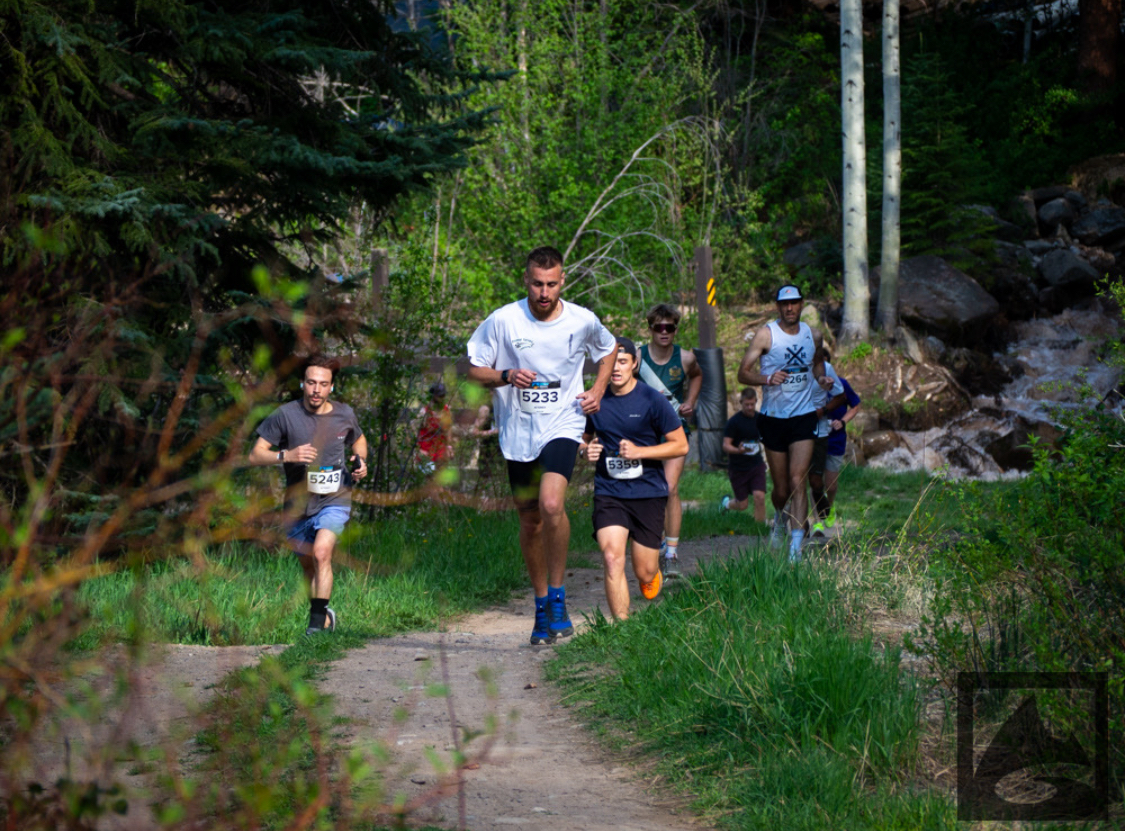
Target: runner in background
746, 466
789, 375
838, 419
310, 439
672, 371
531, 354
826, 400
628, 438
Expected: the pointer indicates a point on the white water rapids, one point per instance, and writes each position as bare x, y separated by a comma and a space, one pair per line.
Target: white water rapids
1062, 362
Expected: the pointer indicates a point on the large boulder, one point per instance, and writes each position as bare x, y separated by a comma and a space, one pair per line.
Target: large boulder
996, 225
1055, 213
940, 299
1103, 227
1013, 281
1069, 279
1063, 267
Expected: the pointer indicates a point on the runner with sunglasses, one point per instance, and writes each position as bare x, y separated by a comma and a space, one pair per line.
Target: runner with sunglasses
674, 372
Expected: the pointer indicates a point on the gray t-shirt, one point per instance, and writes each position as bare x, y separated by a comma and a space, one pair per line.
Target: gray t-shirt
332, 434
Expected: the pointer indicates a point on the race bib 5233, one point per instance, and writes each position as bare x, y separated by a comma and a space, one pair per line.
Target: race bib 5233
541, 398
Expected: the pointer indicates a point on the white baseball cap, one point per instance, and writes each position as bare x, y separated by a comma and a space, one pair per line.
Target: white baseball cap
789, 293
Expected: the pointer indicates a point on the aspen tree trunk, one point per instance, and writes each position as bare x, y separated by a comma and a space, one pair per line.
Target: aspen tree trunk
857, 314
886, 318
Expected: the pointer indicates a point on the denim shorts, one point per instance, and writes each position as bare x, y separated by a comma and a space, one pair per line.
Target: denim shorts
331, 518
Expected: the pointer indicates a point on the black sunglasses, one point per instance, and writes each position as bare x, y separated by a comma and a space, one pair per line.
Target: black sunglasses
663, 328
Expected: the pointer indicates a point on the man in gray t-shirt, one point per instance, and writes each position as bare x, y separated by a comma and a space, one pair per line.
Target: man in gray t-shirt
315, 439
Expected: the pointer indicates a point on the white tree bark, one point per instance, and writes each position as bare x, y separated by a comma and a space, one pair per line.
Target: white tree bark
886, 318
857, 315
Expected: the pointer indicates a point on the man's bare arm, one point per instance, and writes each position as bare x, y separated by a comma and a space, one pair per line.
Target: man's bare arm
748, 371
695, 382
591, 399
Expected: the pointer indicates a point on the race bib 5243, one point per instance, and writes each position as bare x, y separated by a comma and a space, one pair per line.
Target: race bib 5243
325, 480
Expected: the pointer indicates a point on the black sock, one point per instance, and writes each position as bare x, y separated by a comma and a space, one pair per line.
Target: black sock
318, 612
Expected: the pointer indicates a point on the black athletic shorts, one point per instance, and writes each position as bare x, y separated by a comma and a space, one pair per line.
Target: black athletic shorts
558, 457
779, 433
745, 482
644, 518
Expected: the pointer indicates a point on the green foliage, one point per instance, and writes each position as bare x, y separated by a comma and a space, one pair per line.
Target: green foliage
1034, 581
590, 87
944, 168
788, 712
1026, 112
193, 139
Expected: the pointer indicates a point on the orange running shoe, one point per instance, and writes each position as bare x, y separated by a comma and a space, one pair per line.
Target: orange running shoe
651, 590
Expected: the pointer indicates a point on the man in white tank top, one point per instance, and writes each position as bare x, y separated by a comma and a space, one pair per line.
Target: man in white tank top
789, 373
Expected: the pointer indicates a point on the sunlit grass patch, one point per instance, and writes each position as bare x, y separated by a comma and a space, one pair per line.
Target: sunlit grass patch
752, 693
409, 570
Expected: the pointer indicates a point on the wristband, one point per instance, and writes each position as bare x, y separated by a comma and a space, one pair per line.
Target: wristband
504, 376
281, 455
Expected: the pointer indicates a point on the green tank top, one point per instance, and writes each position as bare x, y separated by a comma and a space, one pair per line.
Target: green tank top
671, 374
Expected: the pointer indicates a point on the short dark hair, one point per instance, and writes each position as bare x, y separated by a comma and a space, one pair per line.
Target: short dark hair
323, 361
663, 311
748, 392
544, 257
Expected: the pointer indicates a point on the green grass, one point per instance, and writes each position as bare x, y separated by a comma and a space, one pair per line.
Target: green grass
410, 570
761, 705
878, 501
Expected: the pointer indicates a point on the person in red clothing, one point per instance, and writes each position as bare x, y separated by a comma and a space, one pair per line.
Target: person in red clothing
436, 421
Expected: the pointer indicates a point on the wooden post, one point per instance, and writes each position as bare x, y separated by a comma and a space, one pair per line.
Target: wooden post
705, 297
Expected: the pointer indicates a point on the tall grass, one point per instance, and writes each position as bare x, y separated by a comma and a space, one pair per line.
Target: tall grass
410, 570
754, 698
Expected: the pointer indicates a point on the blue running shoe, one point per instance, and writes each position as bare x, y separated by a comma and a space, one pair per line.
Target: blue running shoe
559, 620
541, 633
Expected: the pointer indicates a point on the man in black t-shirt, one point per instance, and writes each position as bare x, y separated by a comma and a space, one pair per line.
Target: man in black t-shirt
746, 467
630, 492
313, 439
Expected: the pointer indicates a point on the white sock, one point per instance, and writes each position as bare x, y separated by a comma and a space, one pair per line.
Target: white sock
795, 542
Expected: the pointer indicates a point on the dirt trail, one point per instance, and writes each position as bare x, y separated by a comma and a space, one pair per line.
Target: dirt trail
543, 770
539, 767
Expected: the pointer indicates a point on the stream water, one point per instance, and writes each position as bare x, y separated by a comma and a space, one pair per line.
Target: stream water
1062, 365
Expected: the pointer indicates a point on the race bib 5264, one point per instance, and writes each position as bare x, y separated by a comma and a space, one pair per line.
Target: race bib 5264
797, 380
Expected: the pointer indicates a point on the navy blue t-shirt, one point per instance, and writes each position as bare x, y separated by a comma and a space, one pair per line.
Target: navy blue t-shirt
644, 417
838, 439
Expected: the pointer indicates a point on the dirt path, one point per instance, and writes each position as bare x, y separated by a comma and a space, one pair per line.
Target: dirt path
539, 768
543, 770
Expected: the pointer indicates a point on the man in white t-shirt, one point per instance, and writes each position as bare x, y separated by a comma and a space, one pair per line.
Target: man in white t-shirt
530, 354
790, 374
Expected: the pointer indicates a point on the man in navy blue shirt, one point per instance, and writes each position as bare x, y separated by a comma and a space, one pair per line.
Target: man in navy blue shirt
624, 438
